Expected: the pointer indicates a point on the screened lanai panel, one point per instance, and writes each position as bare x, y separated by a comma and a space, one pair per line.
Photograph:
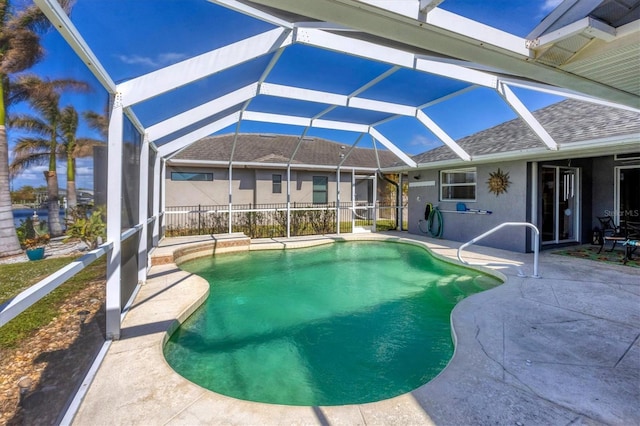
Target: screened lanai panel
132, 38
285, 106
414, 88
515, 17
356, 115
132, 143
324, 70
201, 124
184, 98
478, 109
417, 137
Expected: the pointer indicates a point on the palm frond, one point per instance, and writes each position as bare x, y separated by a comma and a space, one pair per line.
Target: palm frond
97, 122
25, 162
29, 123
27, 146
84, 147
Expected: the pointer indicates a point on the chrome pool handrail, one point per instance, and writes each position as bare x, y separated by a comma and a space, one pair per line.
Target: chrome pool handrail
536, 245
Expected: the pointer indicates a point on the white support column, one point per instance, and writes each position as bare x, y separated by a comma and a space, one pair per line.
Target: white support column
156, 199
163, 191
143, 210
375, 202
399, 198
353, 200
114, 222
230, 218
288, 200
534, 200
338, 200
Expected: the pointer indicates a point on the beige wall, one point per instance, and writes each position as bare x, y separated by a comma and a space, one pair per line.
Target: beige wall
254, 186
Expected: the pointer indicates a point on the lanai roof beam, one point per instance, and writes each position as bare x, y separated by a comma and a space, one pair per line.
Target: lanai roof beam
204, 131
57, 16
519, 108
169, 78
201, 112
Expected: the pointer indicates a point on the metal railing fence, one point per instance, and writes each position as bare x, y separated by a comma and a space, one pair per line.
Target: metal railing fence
271, 220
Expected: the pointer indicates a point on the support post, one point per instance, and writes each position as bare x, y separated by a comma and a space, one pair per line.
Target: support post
399, 210
353, 200
114, 222
156, 199
230, 217
375, 202
143, 210
163, 191
338, 201
288, 201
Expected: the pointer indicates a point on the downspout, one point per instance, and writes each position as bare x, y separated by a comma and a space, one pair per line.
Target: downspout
398, 195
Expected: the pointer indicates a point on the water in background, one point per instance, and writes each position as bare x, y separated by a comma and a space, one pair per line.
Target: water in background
22, 214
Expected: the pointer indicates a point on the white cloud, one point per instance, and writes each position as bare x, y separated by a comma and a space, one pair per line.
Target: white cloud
160, 60
423, 143
170, 58
549, 5
136, 60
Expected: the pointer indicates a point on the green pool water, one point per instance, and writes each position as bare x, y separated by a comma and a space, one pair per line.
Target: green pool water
339, 324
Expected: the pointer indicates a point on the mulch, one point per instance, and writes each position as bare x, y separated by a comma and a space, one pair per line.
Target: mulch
56, 359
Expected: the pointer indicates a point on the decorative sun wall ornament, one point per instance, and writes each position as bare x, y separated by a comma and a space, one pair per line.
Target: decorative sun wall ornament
498, 182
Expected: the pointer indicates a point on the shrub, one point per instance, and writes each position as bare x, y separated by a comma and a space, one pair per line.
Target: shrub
30, 237
88, 227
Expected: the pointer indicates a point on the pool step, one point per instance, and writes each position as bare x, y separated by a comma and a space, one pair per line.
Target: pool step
360, 229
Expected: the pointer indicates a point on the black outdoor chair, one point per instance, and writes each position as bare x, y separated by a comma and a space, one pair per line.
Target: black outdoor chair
632, 242
609, 231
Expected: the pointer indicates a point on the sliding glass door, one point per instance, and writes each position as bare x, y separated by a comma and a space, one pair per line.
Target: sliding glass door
559, 210
627, 194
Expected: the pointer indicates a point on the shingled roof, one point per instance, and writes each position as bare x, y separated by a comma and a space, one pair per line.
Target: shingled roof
272, 149
567, 122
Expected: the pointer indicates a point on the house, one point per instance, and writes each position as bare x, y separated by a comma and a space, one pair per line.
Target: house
268, 167
514, 177
264, 165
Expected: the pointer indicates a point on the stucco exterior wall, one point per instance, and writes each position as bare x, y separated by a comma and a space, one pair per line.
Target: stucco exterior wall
512, 206
255, 186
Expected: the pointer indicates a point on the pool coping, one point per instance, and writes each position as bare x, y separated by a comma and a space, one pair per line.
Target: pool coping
135, 385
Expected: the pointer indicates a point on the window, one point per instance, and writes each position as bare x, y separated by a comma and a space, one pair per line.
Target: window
276, 184
320, 189
191, 176
458, 185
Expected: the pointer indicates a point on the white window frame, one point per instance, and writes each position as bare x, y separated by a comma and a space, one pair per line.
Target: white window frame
446, 185
274, 183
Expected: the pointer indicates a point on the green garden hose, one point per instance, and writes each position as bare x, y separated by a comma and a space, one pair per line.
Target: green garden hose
435, 215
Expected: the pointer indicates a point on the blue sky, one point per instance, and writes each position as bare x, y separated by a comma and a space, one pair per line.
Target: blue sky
129, 46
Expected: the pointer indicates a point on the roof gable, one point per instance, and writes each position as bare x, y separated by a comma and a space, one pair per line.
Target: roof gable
271, 148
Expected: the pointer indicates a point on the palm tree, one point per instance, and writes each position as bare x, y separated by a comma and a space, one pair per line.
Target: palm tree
19, 50
72, 148
44, 97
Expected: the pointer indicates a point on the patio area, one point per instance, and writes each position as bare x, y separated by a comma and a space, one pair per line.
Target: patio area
561, 349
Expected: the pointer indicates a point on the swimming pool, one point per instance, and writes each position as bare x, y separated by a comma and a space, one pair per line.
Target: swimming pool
339, 324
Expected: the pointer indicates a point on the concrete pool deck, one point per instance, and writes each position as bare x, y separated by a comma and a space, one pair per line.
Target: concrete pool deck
560, 349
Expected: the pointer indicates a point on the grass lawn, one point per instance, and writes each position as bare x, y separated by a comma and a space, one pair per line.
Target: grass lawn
17, 277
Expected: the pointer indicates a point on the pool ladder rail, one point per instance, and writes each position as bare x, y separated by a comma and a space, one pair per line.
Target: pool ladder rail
536, 246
